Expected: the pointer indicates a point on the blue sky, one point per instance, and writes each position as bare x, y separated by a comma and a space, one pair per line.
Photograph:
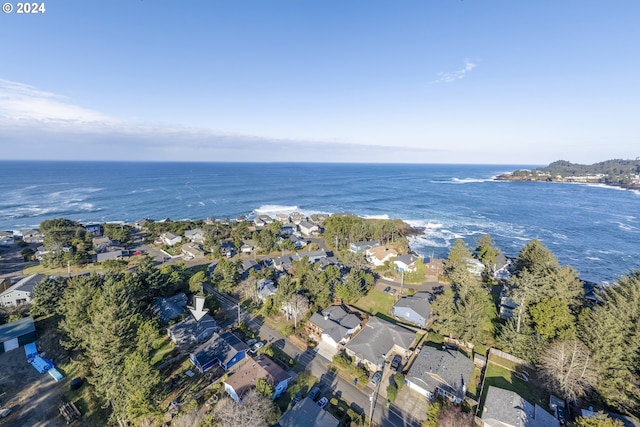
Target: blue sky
514, 82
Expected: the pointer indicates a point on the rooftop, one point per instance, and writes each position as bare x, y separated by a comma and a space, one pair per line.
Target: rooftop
448, 370
377, 338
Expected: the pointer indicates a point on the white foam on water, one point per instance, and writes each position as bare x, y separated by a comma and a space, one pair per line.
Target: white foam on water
384, 216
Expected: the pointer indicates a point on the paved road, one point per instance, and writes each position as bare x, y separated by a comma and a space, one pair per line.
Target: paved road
318, 365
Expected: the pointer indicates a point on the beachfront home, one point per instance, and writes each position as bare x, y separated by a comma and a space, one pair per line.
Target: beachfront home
379, 255
93, 229
170, 239
443, 373
379, 340
505, 408
22, 291
245, 378
474, 266
406, 262
31, 236
415, 309
139, 224
224, 349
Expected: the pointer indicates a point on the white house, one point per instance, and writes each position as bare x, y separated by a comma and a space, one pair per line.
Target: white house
170, 239
196, 235
309, 228
22, 291
379, 255
406, 262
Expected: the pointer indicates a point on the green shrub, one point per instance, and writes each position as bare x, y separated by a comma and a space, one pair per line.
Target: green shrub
392, 393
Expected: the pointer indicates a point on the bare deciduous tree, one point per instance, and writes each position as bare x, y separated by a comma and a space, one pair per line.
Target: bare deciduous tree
254, 411
452, 416
295, 306
567, 368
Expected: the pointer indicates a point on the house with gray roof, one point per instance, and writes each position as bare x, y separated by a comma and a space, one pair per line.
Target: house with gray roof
265, 289
362, 247
379, 340
406, 262
505, 408
196, 235
307, 413
22, 291
167, 309
105, 256
32, 236
6, 238
308, 228
224, 349
313, 256
415, 309
170, 239
189, 331
334, 326
247, 266
192, 250
443, 373
282, 263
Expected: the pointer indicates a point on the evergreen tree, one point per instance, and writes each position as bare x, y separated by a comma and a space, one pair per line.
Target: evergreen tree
47, 296
73, 308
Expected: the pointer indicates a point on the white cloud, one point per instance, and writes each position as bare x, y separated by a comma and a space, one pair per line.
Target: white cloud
456, 75
21, 102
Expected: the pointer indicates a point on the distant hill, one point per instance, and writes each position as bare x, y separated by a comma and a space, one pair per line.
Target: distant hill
617, 172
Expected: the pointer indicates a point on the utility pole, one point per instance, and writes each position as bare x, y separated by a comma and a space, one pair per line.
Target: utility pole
401, 285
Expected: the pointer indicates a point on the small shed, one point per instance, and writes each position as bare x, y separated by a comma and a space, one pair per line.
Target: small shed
16, 334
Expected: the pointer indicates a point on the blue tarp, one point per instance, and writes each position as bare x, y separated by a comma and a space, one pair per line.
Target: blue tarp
30, 350
55, 374
41, 365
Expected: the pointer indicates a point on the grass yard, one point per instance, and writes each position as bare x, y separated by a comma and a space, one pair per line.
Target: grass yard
303, 383
376, 302
504, 378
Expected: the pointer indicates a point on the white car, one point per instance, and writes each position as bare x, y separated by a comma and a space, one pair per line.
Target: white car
323, 402
257, 346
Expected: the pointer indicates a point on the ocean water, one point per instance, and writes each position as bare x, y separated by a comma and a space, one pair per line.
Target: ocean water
596, 229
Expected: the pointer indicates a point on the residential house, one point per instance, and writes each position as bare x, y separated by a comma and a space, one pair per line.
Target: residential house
333, 326
259, 222
502, 267
170, 239
435, 267
307, 413
31, 236
282, 217
196, 235
379, 340
227, 248
265, 289
105, 244
326, 262
507, 305
248, 246
379, 255
105, 256
139, 224
224, 349
192, 250
297, 218
313, 256
266, 219
406, 262
247, 266
6, 238
288, 229
415, 309
16, 334
474, 266
21, 291
443, 373
298, 242
191, 331
167, 309
505, 408
362, 247
41, 251
93, 229
318, 218
308, 228
282, 263
245, 378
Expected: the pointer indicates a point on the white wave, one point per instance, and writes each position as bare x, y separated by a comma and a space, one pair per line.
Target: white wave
597, 185
626, 227
274, 209
594, 258
470, 180
201, 203
559, 236
146, 190
384, 216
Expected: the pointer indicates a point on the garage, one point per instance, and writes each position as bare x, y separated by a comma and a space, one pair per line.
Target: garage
16, 334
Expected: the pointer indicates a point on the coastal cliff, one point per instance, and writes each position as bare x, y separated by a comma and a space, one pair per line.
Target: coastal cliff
618, 173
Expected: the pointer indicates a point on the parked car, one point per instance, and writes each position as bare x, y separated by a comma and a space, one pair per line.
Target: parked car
251, 342
393, 292
375, 379
323, 402
387, 289
314, 393
257, 346
395, 363
296, 398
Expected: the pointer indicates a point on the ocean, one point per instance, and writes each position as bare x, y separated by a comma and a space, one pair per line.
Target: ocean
594, 228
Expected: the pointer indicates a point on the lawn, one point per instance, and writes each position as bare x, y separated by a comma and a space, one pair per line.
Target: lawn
376, 302
303, 383
504, 378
